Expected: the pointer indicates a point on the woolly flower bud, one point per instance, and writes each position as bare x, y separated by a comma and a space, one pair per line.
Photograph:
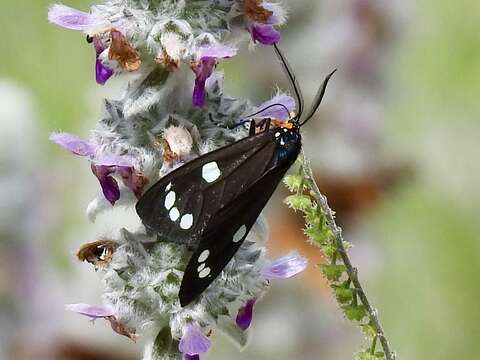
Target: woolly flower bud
179, 140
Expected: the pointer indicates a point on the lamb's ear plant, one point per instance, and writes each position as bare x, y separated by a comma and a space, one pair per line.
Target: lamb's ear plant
323, 232
173, 110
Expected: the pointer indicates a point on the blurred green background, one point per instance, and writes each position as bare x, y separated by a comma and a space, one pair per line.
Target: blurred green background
422, 258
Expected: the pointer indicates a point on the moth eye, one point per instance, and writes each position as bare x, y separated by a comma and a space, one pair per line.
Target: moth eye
239, 234
89, 39
210, 172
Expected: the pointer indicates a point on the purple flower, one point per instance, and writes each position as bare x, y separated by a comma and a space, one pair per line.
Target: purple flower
109, 185
74, 144
279, 107
285, 267
203, 68
92, 311
102, 72
105, 166
95, 312
193, 341
265, 34
245, 315
191, 357
70, 18
73, 19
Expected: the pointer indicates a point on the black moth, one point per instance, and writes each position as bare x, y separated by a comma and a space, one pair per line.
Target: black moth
212, 202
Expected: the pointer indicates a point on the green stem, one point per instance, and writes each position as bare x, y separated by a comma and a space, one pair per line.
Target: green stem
351, 271
374, 345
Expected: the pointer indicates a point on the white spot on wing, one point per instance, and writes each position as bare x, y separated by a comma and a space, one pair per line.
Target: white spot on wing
204, 273
239, 234
277, 134
169, 186
282, 142
204, 256
174, 214
186, 221
201, 267
170, 200
210, 172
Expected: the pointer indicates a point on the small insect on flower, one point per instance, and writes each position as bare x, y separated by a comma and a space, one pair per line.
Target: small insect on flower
98, 253
212, 202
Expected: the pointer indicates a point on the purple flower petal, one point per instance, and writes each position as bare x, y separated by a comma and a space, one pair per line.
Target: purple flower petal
70, 18
74, 144
193, 341
191, 357
245, 315
216, 52
203, 68
113, 160
285, 267
277, 111
109, 185
102, 72
265, 34
92, 311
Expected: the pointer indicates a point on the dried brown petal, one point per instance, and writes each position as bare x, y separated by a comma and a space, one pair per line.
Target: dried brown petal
167, 62
122, 329
121, 51
168, 154
256, 12
98, 253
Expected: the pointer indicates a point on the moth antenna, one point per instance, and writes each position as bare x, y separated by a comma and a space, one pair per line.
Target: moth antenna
268, 107
318, 98
293, 80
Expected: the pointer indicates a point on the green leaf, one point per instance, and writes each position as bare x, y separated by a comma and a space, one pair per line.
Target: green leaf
299, 202
365, 355
343, 295
355, 312
333, 272
293, 182
369, 331
317, 235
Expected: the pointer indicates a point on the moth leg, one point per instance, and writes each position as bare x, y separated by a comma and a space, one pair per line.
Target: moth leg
218, 124
252, 129
267, 123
